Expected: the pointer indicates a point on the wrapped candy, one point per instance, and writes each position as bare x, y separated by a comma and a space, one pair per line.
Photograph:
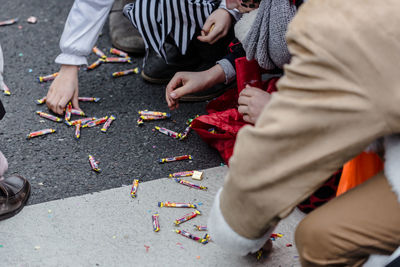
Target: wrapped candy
39, 133
118, 52
41, 101
98, 52
181, 174
185, 133
154, 113
8, 22
134, 189
187, 183
193, 237
93, 164
156, 223
108, 123
95, 122
125, 72
117, 60
166, 160
201, 227
78, 131
77, 112
197, 175
6, 90
176, 205
68, 112
88, 99
167, 132
81, 121
48, 116
47, 78
95, 64
187, 217
153, 117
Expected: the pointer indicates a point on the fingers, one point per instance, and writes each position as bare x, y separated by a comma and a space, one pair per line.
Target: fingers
75, 101
244, 110
175, 82
211, 37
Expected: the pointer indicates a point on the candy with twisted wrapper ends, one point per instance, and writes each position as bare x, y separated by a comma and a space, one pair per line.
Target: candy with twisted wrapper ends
172, 159
193, 237
197, 175
185, 132
95, 122
156, 223
181, 174
108, 123
81, 121
125, 72
117, 60
48, 116
68, 112
93, 164
77, 112
47, 78
78, 131
201, 227
153, 117
167, 132
88, 99
187, 183
134, 189
187, 217
95, 64
98, 52
154, 113
118, 52
41, 101
8, 22
139, 122
39, 133
176, 205
189, 121
6, 90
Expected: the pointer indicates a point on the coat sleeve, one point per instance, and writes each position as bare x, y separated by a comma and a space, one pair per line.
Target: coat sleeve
82, 28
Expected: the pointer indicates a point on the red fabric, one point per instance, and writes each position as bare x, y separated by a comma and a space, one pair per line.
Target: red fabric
224, 118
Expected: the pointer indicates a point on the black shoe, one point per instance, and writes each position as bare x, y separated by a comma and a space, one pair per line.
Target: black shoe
14, 193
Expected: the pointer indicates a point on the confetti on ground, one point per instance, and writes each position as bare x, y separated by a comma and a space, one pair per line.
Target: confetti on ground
30, 70
198, 257
114, 237
31, 20
20, 54
40, 183
37, 247
147, 248
49, 211
289, 245
1, 246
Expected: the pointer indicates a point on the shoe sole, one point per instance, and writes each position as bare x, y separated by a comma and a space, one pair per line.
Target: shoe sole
15, 212
129, 49
193, 98
154, 80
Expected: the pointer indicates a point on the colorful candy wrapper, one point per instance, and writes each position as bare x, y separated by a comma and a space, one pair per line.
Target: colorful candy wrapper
125, 72
117, 60
166, 160
139, 122
41, 101
8, 22
181, 174
88, 99
108, 123
176, 205
201, 227
77, 112
95, 122
48, 116
189, 184
134, 189
6, 90
47, 78
156, 223
189, 121
39, 133
78, 131
95, 64
118, 52
93, 164
185, 133
68, 112
167, 132
81, 121
154, 113
98, 52
187, 217
153, 117
193, 237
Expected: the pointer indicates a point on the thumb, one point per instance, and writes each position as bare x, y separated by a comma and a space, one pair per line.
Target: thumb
179, 92
207, 25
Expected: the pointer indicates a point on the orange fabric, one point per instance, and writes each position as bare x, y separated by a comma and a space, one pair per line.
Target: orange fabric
358, 170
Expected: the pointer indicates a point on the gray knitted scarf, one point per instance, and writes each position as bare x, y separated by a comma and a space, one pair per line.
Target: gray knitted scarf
265, 42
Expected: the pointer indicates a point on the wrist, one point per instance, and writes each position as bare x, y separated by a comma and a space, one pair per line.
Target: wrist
69, 69
215, 75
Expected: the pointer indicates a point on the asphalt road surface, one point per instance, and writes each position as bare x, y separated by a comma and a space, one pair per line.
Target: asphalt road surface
57, 165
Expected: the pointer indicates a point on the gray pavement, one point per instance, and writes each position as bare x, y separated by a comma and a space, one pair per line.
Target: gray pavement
110, 228
57, 165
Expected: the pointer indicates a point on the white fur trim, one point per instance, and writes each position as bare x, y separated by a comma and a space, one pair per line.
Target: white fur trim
392, 162
223, 235
243, 26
